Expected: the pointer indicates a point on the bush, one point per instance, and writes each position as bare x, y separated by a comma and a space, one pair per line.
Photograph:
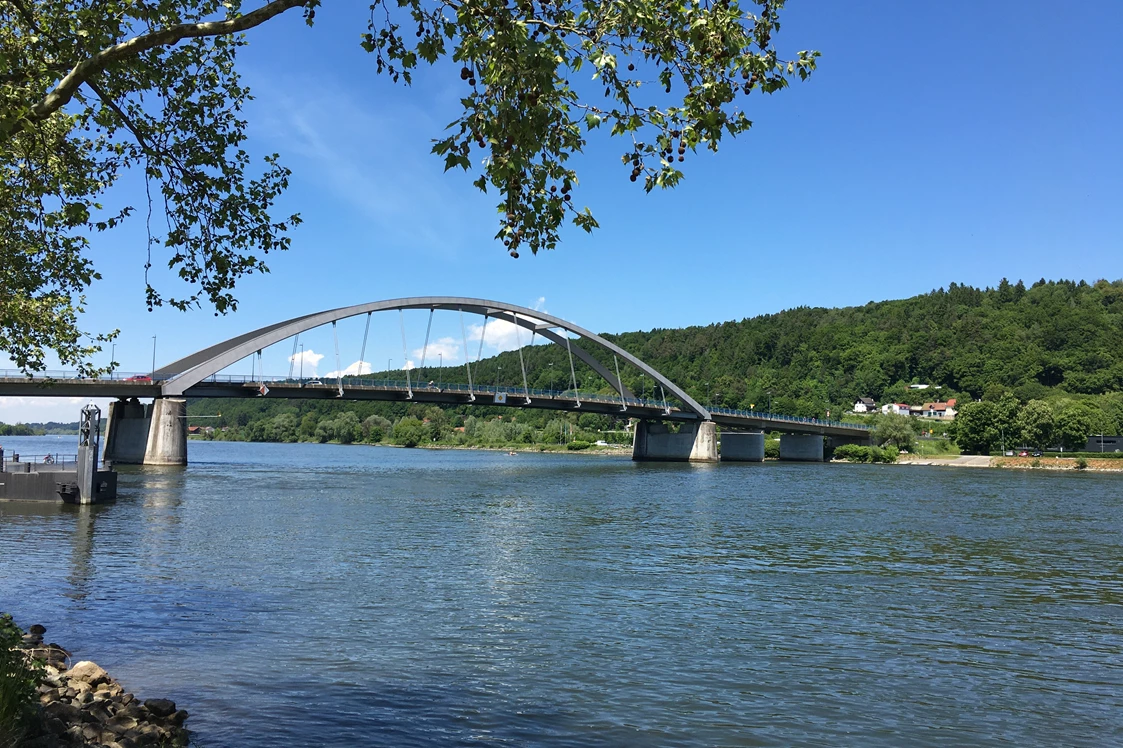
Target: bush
772, 449
1081, 463
858, 453
409, 432
18, 680
578, 444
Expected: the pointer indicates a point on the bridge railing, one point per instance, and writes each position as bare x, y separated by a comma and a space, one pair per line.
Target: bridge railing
779, 418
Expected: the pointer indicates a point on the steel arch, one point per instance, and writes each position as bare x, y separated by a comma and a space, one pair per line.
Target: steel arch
180, 375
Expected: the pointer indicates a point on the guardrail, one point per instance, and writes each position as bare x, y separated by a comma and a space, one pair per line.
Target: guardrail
53, 461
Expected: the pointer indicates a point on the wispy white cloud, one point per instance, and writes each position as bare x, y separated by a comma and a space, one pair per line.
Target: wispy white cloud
363, 156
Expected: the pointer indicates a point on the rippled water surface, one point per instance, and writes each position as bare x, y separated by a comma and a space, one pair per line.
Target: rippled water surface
329, 595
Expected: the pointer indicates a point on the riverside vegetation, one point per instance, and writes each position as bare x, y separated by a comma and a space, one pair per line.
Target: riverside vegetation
1034, 366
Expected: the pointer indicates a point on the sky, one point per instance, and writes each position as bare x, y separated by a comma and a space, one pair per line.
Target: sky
937, 143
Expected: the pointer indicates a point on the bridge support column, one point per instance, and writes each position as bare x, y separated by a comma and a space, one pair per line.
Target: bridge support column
801, 447
146, 435
695, 442
742, 447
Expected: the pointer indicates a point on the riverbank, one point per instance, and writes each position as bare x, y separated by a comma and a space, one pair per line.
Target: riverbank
1098, 465
79, 704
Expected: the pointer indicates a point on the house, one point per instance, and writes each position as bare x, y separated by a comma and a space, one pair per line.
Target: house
895, 409
1101, 443
919, 386
193, 429
944, 411
865, 405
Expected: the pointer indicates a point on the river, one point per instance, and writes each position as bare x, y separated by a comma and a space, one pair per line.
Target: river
347, 595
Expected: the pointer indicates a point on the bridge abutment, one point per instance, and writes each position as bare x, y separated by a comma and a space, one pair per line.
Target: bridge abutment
695, 442
801, 447
739, 446
147, 435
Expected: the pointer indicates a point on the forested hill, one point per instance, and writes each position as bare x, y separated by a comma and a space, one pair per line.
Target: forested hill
1050, 339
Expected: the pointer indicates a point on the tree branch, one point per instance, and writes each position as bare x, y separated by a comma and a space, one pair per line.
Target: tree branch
172, 35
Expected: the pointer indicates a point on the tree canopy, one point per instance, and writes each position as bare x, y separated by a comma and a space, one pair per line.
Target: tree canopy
90, 90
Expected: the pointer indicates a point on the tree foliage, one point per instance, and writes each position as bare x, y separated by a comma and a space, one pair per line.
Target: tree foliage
90, 90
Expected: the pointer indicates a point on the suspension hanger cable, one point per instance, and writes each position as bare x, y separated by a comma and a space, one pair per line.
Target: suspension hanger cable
572, 371
483, 334
666, 410
405, 361
620, 384
467, 365
425, 348
338, 367
292, 358
363, 350
522, 364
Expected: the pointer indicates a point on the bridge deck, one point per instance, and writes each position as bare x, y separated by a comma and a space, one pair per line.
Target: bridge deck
445, 394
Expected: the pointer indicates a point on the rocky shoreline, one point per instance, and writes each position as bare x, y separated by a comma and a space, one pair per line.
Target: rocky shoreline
80, 705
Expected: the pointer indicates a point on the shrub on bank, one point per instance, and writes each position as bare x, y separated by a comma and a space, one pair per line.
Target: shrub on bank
577, 444
772, 449
18, 680
858, 453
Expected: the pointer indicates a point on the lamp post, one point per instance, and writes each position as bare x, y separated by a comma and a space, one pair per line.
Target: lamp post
112, 355
440, 370
708, 398
770, 401
643, 385
498, 374
302, 364
153, 356
553, 387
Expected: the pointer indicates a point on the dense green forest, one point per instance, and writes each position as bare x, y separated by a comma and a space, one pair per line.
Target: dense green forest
1058, 343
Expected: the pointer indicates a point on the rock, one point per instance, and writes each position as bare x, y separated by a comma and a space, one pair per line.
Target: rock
121, 724
88, 672
38, 629
180, 717
63, 711
54, 725
31, 640
127, 699
160, 707
91, 732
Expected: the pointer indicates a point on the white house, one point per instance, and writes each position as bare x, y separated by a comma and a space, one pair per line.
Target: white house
895, 409
865, 405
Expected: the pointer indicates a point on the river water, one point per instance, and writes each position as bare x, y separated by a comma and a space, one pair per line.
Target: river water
330, 595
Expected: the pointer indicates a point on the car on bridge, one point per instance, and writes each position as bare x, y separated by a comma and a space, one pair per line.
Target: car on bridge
139, 378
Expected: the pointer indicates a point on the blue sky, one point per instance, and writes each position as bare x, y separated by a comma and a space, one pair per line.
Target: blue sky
958, 141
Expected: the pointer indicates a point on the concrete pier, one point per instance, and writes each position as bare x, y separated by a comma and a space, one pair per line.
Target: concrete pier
695, 442
739, 446
147, 435
801, 447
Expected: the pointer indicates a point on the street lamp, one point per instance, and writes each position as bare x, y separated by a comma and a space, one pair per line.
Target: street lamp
302, 364
498, 373
708, 398
553, 387
770, 401
440, 370
112, 355
153, 355
643, 385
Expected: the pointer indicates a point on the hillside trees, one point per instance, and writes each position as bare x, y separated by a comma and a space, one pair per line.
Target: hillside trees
92, 90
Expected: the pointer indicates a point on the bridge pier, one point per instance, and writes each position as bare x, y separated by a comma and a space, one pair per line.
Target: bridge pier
695, 442
146, 435
740, 446
801, 447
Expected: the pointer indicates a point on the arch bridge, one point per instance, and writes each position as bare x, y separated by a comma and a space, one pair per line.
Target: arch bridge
157, 434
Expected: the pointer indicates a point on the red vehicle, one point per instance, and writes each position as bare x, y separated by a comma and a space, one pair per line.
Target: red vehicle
139, 378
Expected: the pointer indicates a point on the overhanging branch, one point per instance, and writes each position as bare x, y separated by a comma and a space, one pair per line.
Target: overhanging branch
82, 72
